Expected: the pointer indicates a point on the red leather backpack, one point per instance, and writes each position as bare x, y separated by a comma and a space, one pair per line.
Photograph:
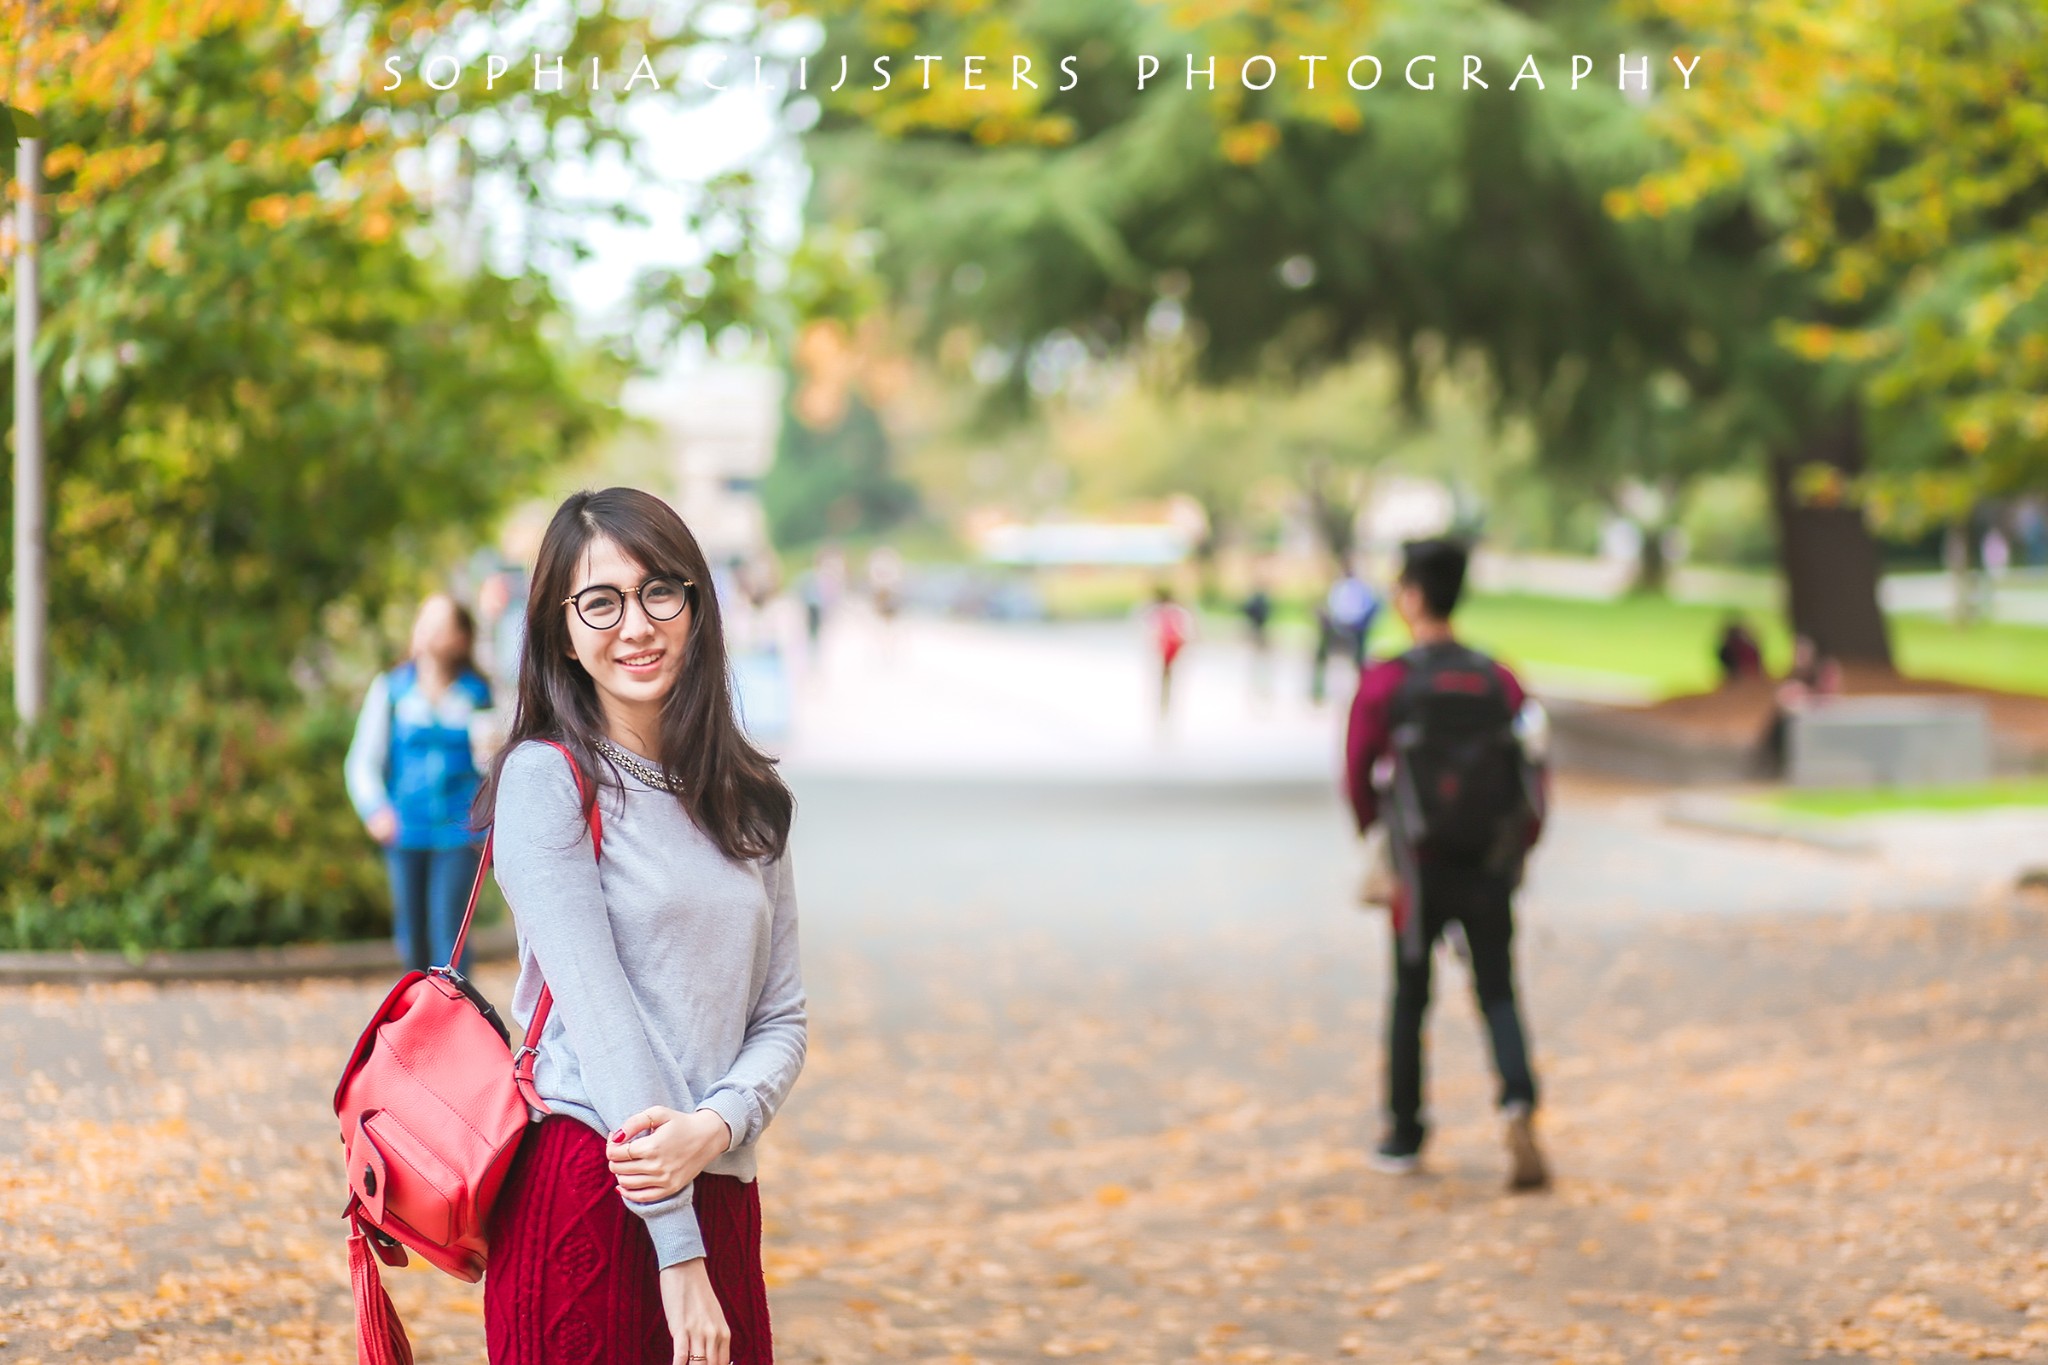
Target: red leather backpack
433, 1103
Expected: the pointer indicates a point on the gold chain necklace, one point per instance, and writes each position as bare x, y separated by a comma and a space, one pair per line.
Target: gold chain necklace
633, 764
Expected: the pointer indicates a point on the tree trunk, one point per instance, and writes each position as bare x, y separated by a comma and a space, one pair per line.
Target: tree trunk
1962, 579
1826, 551
1218, 530
1335, 517
1653, 565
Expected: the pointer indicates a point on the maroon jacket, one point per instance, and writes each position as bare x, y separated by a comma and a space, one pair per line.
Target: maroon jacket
1371, 731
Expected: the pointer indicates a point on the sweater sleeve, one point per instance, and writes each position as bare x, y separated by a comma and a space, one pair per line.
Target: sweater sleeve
370, 750
777, 1030
550, 877
1368, 736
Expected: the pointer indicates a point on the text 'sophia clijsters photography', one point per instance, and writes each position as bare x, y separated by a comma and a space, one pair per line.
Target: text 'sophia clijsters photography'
562, 73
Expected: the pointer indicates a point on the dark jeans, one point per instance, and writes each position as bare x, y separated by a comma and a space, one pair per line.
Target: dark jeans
429, 891
1482, 903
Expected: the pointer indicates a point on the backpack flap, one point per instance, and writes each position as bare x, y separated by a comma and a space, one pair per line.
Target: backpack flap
368, 1175
1459, 782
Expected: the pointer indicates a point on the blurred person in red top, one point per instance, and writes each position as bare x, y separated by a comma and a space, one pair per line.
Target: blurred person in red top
1172, 626
1444, 749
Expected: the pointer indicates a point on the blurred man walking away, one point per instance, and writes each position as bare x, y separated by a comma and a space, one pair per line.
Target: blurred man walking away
1444, 747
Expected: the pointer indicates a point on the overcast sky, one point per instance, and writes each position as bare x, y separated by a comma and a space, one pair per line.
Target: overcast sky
688, 139
687, 147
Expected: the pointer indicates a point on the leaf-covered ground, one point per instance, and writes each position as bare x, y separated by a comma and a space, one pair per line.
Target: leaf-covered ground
1037, 1125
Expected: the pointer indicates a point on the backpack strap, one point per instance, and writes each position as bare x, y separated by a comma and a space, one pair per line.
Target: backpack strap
1414, 681
524, 1060
1424, 662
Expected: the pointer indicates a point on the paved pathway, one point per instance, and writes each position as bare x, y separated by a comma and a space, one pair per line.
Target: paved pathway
1097, 1074
972, 703
978, 701
1094, 1066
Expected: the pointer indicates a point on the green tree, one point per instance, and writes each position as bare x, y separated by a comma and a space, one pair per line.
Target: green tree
1901, 153
260, 397
503, 136
1896, 153
1294, 227
833, 480
290, 365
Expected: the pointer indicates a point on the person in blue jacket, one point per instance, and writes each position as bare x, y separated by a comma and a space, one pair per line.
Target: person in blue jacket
412, 777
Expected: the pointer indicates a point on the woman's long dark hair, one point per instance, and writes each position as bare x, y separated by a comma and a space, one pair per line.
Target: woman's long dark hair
729, 788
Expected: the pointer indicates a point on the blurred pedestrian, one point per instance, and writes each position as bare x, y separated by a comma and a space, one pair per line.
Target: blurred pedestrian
1257, 609
1813, 677
1343, 626
811, 591
1994, 552
1171, 626
1353, 607
1445, 749
885, 581
1813, 673
412, 776
501, 613
1737, 651
646, 863
819, 590
2031, 522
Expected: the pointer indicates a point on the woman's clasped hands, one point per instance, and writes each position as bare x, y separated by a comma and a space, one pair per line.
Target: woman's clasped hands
658, 1151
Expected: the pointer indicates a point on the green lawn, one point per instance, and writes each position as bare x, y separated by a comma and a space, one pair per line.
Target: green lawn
1836, 805
1668, 646
1651, 645
2012, 658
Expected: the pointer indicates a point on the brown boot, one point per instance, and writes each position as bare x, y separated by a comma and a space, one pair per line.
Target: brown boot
1526, 1170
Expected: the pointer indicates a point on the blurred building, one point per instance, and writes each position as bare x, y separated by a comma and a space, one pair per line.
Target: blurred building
1161, 540
1401, 507
718, 425
1089, 543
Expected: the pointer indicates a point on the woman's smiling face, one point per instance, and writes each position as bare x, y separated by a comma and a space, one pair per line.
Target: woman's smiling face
635, 662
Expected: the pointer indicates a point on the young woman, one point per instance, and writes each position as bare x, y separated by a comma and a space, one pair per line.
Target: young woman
629, 1231
413, 781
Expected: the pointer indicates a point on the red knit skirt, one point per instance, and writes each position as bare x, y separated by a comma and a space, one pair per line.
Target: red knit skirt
572, 1278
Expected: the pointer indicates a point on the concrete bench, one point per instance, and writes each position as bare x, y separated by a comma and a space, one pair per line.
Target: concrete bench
1888, 742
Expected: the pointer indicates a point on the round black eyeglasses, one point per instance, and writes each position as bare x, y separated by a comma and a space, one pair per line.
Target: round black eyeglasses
603, 606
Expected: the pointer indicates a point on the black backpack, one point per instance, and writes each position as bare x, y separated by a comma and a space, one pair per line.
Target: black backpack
1463, 790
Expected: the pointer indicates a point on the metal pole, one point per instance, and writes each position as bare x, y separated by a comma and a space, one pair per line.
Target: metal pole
30, 588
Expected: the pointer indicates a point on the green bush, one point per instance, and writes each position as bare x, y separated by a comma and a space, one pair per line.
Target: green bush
144, 816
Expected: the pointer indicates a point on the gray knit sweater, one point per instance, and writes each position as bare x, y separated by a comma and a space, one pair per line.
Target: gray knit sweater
674, 969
